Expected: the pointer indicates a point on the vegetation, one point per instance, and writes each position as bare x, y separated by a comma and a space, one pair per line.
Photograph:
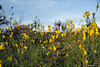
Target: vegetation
20, 46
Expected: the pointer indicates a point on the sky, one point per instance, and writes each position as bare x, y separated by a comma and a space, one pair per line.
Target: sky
50, 10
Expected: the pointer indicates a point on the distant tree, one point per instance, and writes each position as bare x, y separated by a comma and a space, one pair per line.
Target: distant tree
4, 20
36, 24
57, 25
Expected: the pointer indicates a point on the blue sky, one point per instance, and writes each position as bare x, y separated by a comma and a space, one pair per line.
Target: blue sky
50, 10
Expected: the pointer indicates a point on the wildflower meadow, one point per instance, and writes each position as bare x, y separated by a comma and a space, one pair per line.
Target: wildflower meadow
21, 46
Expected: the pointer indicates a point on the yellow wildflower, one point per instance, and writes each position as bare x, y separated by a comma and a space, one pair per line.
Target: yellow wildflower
10, 29
97, 33
78, 40
35, 32
68, 27
85, 53
85, 12
3, 36
1, 46
88, 14
17, 45
81, 26
18, 50
22, 52
86, 61
40, 41
97, 5
83, 15
67, 22
47, 54
66, 55
0, 65
43, 47
80, 46
10, 36
25, 47
14, 23
95, 51
54, 48
57, 53
85, 27
84, 37
0, 31
44, 41
50, 48
0, 61
71, 21
10, 58
11, 33
96, 29
34, 60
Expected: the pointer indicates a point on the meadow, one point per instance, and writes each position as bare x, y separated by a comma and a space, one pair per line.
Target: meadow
22, 47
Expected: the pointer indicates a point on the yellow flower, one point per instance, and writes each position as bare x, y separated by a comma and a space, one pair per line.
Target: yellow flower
50, 48
3, 36
95, 51
97, 33
10, 35
25, 47
17, 45
73, 25
1, 46
54, 48
85, 12
14, 23
83, 15
88, 13
0, 61
10, 29
80, 46
66, 55
96, 29
81, 26
40, 41
35, 32
0, 65
68, 27
71, 21
86, 61
34, 60
48, 53
18, 50
44, 41
84, 37
97, 5
57, 53
10, 58
67, 22
78, 40
62, 34
85, 53
22, 52
0, 31
85, 27
43, 47
69, 45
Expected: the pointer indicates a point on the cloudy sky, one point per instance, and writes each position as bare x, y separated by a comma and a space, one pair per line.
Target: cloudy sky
50, 10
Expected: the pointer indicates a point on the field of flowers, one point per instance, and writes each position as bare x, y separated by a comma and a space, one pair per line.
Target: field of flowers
48, 48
